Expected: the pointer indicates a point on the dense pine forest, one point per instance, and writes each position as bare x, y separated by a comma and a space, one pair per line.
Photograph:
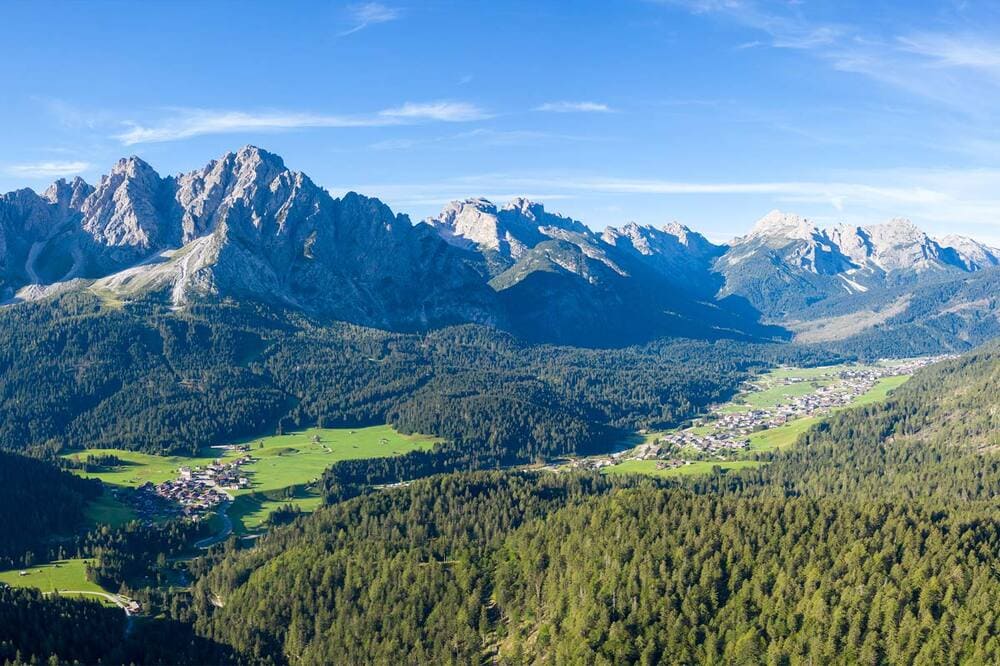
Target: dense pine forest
78, 373
38, 501
874, 540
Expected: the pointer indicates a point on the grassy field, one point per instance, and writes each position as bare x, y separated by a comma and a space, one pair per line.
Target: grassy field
648, 467
249, 512
775, 392
300, 457
880, 391
776, 438
285, 460
138, 468
806, 373
295, 459
772, 438
61, 575
106, 510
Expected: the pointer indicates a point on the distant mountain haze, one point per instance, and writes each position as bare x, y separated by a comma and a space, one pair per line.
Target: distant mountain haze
247, 227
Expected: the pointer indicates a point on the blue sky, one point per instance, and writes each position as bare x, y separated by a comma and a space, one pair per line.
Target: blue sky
709, 112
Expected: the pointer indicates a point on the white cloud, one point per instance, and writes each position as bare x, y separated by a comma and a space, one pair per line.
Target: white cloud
955, 68
47, 169
449, 112
367, 14
834, 193
197, 122
574, 107
187, 123
944, 50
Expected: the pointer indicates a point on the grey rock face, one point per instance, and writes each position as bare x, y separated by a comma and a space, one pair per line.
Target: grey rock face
245, 226
129, 213
501, 235
893, 246
787, 264
971, 254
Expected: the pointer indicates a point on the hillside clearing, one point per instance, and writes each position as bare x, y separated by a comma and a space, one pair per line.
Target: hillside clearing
53, 577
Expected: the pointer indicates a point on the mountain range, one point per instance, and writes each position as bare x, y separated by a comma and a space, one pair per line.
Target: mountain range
247, 227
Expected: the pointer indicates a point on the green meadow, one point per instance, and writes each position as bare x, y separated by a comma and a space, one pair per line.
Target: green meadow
54, 576
286, 464
138, 468
880, 391
249, 512
300, 457
780, 437
107, 510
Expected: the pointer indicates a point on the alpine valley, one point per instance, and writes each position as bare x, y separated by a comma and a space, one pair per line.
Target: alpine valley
244, 421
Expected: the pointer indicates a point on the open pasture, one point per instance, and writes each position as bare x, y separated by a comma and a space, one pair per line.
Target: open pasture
54, 576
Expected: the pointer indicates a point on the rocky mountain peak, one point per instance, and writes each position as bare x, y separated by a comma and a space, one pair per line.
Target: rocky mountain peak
972, 254
133, 167
502, 234
778, 224
250, 179
897, 231
531, 212
639, 237
679, 230
470, 223
68, 195
124, 210
897, 244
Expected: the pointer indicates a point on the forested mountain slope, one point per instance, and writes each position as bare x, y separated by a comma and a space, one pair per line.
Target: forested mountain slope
78, 373
875, 540
37, 503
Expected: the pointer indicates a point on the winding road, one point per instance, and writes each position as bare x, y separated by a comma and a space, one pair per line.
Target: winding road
227, 529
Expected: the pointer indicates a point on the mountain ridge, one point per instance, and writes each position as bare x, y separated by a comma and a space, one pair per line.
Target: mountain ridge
246, 226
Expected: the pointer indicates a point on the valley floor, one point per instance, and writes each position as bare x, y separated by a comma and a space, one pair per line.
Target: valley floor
279, 470
769, 413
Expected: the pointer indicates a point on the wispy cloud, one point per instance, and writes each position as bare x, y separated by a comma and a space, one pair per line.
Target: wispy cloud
834, 193
368, 14
187, 123
574, 107
957, 66
959, 50
47, 169
449, 112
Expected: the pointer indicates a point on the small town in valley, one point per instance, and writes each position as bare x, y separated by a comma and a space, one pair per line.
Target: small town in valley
725, 430
197, 490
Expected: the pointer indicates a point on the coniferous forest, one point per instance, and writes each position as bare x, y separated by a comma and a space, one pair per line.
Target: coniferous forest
874, 540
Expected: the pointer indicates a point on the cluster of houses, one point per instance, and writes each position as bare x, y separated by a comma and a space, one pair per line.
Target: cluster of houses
200, 489
651, 450
723, 432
